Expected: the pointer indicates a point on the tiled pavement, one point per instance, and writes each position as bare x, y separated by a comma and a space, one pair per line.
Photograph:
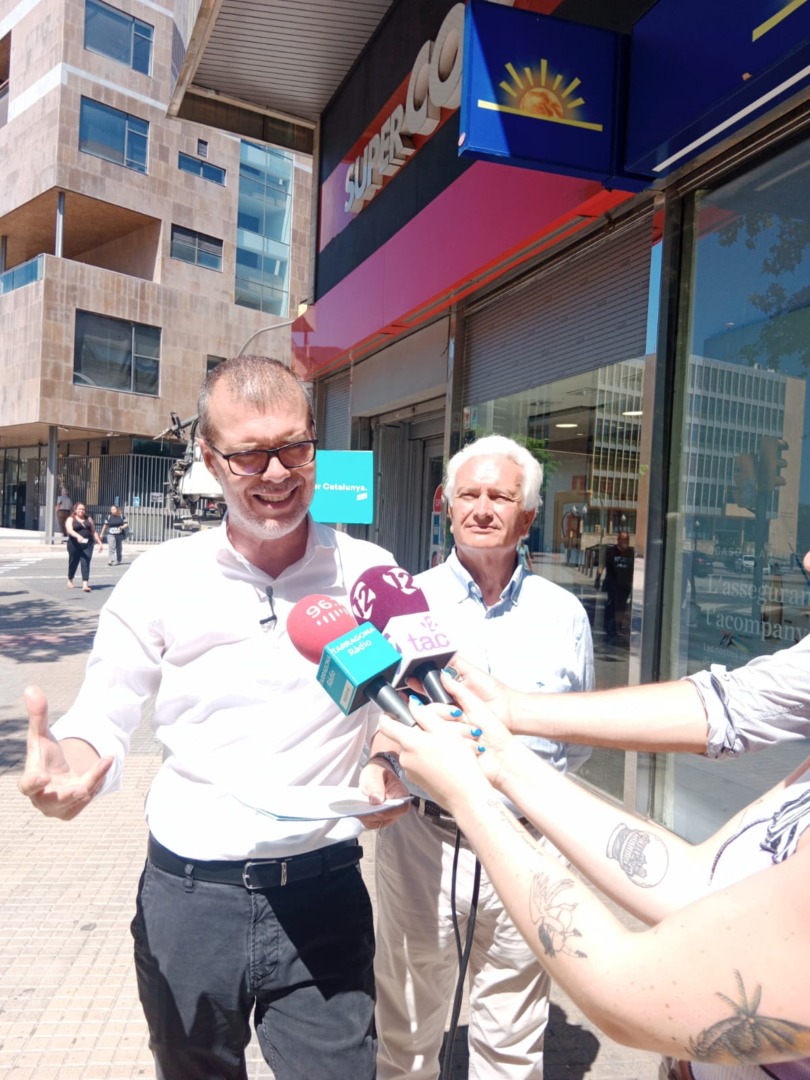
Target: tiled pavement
68, 1004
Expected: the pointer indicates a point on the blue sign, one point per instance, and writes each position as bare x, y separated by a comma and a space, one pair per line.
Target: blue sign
344, 487
701, 70
544, 93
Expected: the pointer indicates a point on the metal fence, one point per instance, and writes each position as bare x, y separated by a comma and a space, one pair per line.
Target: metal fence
135, 482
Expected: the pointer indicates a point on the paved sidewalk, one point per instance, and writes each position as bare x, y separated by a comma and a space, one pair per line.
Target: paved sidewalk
69, 1008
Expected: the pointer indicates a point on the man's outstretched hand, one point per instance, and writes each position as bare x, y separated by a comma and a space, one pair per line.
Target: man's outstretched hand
60, 778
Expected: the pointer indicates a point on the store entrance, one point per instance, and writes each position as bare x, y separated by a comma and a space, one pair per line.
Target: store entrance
432, 547
408, 461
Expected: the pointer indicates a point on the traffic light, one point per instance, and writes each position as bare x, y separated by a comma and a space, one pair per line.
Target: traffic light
744, 482
770, 463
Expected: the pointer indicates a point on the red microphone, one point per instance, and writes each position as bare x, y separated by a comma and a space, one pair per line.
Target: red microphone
315, 621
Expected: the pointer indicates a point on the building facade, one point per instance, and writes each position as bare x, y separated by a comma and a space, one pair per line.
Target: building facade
135, 251
636, 318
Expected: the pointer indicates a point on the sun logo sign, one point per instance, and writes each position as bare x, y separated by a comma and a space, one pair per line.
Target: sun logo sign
541, 94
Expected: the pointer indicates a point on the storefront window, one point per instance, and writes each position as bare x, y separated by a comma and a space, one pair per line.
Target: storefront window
586, 431
735, 587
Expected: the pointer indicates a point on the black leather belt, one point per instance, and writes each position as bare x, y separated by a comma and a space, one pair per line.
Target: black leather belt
258, 874
426, 808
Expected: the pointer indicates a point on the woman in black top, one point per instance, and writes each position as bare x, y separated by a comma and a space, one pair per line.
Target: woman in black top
81, 534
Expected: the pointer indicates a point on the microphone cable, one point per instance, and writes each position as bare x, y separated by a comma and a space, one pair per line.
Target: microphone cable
272, 618
463, 954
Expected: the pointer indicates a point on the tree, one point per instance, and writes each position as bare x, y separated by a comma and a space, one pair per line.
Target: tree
785, 331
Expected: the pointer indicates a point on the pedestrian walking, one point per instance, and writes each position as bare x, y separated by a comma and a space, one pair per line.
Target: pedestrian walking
82, 535
64, 505
115, 524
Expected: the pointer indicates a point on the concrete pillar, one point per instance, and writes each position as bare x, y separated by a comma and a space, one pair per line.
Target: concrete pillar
60, 224
50, 483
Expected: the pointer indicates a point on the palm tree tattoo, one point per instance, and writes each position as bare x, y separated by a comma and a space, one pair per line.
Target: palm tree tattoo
553, 917
746, 1034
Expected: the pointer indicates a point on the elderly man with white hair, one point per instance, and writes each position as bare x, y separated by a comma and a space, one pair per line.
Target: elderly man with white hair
531, 634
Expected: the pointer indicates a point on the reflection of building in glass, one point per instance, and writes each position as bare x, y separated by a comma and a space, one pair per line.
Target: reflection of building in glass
587, 430
729, 410
617, 429
595, 445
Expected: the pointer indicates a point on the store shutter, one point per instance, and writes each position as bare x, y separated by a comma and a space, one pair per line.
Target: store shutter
335, 433
572, 316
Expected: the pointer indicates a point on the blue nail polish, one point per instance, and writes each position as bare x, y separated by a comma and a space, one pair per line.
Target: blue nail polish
481, 749
475, 732
451, 671
414, 700
455, 713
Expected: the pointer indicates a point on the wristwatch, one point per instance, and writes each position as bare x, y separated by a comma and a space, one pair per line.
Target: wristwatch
390, 759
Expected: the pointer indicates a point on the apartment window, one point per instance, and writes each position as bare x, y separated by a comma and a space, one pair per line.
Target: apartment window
194, 247
116, 354
117, 35
211, 362
193, 165
113, 135
202, 147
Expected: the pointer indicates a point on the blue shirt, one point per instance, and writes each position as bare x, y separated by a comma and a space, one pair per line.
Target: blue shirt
536, 637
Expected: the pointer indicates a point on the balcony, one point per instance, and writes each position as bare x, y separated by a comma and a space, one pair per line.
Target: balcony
24, 274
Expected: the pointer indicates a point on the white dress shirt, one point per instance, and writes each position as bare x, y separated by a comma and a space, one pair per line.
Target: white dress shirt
756, 706
236, 707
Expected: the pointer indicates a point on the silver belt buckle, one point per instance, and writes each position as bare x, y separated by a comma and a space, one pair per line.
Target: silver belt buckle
262, 862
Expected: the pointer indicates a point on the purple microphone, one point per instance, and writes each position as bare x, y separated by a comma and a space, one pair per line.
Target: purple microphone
388, 598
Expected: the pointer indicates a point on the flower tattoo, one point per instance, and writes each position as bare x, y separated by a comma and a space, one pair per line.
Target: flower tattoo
553, 917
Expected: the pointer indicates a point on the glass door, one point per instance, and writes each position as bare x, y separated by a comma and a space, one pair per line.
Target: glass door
741, 499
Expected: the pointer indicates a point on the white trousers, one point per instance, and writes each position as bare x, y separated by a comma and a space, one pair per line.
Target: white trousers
416, 964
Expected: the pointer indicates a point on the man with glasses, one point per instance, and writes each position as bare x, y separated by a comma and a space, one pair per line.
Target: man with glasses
238, 912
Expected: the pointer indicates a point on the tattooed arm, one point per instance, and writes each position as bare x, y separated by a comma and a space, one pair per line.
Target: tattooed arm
638, 863
721, 980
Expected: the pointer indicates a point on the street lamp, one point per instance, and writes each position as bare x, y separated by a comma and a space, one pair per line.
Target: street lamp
275, 326
264, 329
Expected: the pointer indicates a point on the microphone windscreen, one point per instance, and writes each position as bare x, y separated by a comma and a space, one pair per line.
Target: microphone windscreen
315, 621
383, 592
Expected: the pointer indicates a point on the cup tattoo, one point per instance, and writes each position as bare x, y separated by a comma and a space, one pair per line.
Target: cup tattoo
642, 856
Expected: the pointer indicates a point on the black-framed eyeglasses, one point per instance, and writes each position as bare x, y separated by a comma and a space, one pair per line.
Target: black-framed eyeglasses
292, 455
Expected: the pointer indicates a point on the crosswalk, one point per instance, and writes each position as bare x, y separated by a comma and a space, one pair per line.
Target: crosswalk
8, 563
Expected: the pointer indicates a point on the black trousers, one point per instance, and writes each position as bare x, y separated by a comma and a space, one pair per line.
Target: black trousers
299, 958
79, 553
